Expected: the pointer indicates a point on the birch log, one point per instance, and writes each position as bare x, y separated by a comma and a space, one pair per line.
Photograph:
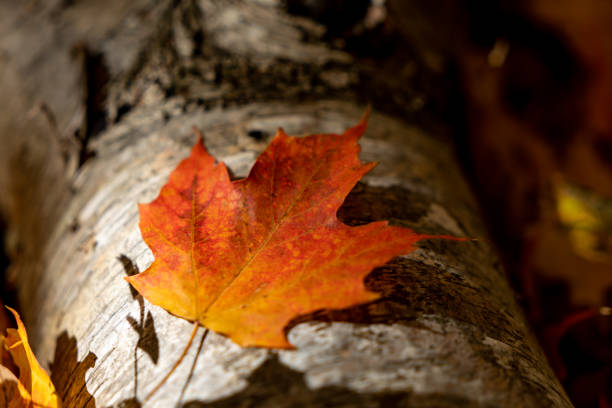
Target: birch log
448, 331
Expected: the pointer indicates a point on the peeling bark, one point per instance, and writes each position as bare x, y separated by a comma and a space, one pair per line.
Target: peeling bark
448, 330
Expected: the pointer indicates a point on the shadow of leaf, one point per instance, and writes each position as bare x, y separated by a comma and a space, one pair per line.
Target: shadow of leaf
147, 337
275, 385
68, 374
130, 403
130, 270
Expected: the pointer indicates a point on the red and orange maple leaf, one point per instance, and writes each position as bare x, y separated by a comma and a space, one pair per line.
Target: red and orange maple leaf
245, 257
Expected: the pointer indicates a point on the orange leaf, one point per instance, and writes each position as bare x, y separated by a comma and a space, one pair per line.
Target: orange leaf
243, 258
35, 387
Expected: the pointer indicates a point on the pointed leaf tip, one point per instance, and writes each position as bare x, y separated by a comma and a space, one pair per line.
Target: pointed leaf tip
366, 115
355, 132
199, 134
280, 133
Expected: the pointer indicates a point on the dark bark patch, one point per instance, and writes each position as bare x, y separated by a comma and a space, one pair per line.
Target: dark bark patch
336, 15
257, 134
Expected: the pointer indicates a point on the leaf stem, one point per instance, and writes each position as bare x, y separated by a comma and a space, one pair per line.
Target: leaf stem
195, 360
178, 362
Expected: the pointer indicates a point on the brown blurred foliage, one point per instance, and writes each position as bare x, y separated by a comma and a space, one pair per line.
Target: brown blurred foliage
4, 321
534, 130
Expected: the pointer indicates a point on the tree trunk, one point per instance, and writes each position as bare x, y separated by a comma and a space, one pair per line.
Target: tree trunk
99, 99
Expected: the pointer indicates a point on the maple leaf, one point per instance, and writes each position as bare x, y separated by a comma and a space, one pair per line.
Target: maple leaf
34, 387
243, 258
